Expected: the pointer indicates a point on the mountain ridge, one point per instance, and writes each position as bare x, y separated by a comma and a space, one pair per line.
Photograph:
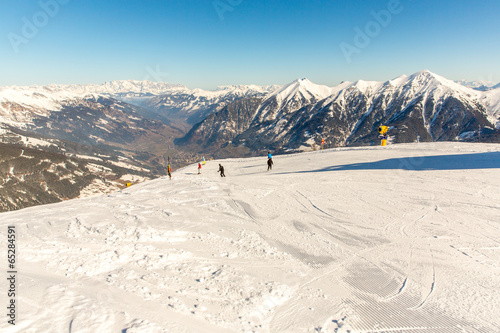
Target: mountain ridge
423, 106
154, 95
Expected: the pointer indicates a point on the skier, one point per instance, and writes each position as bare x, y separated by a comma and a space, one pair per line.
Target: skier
169, 172
269, 164
204, 161
221, 170
269, 161
199, 168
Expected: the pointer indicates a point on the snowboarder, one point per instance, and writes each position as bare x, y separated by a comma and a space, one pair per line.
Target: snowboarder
204, 161
269, 164
169, 172
221, 170
199, 168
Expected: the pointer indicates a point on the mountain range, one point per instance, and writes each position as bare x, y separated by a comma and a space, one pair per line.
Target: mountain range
480, 85
142, 124
298, 116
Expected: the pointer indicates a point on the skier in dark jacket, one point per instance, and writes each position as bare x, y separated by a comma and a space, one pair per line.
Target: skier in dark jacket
221, 170
269, 161
269, 164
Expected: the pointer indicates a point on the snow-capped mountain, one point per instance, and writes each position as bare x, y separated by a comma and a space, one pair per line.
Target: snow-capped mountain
195, 105
20, 105
168, 101
481, 85
53, 124
291, 98
423, 106
84, 118
103, 114
121, 88
57, 122
240, 120
266, 114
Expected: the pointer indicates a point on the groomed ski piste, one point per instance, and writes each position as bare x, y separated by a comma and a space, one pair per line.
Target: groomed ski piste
403, 238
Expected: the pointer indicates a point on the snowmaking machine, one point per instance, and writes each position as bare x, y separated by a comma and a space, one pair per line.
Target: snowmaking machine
383, 134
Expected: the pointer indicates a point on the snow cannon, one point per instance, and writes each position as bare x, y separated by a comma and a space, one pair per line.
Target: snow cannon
383, 130
383, 134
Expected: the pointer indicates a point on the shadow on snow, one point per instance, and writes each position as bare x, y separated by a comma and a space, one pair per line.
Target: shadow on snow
490, 160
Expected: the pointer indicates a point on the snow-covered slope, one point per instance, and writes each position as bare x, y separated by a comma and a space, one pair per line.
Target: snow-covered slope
402, 239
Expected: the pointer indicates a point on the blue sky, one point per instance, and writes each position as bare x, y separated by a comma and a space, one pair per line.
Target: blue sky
206, 43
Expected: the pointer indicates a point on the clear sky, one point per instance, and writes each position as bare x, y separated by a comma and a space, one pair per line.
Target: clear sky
206, 43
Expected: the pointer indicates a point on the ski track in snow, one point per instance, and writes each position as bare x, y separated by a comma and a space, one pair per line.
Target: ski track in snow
315, 245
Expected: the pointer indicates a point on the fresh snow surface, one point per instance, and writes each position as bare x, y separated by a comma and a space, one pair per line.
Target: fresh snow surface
401, 239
